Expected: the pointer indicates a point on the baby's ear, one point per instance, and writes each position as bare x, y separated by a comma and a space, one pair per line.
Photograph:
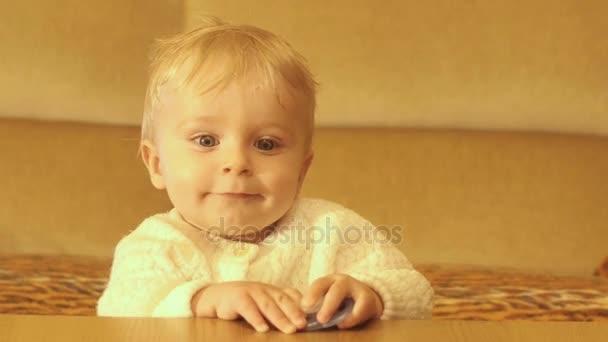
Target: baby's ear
149, 154
305, 166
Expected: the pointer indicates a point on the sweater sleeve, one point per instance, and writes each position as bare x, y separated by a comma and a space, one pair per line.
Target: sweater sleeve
148, 279
376, 261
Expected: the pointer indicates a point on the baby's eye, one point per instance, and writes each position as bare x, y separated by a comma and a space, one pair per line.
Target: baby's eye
206, 141
265, 144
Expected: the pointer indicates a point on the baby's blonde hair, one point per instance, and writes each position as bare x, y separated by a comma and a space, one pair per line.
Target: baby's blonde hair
235, 49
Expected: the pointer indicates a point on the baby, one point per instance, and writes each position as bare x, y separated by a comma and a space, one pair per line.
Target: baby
227, 132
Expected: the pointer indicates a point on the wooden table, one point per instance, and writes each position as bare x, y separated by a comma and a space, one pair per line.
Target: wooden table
82, 328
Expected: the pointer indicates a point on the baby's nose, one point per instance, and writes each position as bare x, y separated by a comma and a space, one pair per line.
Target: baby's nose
239, 170
237, 162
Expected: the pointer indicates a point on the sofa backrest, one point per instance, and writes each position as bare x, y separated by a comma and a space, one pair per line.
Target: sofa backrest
523, 200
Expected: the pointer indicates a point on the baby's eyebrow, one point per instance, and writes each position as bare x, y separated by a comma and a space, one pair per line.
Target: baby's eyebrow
195, 120
192, 121
280, 127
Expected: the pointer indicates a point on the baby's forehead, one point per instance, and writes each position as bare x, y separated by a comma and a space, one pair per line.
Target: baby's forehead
258, 106
216, 93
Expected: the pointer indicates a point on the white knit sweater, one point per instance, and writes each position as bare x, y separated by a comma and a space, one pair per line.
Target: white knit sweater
159, 266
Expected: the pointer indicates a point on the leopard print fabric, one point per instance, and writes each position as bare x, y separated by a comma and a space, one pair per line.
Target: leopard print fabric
51, 285
482, 294
62, 285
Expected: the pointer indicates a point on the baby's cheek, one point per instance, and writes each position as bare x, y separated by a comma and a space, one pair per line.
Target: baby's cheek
189, 183
286, 181
191, 174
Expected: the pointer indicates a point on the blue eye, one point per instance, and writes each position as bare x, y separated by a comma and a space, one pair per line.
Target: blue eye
265, 144
206, 141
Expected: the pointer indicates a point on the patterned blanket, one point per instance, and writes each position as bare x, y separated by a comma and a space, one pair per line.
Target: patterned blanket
63, 285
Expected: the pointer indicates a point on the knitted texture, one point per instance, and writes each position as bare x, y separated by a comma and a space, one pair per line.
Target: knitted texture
158, 267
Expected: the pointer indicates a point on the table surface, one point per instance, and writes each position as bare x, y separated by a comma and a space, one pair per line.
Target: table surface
83, 328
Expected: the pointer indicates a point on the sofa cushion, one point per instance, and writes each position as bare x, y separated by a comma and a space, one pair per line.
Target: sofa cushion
67, 285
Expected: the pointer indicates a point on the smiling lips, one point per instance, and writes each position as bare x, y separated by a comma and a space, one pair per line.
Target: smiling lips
237, 195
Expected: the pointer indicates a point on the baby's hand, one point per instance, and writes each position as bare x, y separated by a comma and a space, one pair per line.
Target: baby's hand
336, 287
252, 301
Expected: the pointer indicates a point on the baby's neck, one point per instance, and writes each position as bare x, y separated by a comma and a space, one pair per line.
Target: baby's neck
249, 237
254, 238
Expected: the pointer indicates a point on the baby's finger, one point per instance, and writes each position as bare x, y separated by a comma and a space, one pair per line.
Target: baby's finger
270, 309
290, 307
356, 317
333, 298
294, 294
250, 313
316, 291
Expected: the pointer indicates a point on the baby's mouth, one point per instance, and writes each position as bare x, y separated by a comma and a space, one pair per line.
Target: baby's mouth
237, 195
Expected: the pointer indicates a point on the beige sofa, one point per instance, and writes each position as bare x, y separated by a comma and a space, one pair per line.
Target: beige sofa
505, 225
